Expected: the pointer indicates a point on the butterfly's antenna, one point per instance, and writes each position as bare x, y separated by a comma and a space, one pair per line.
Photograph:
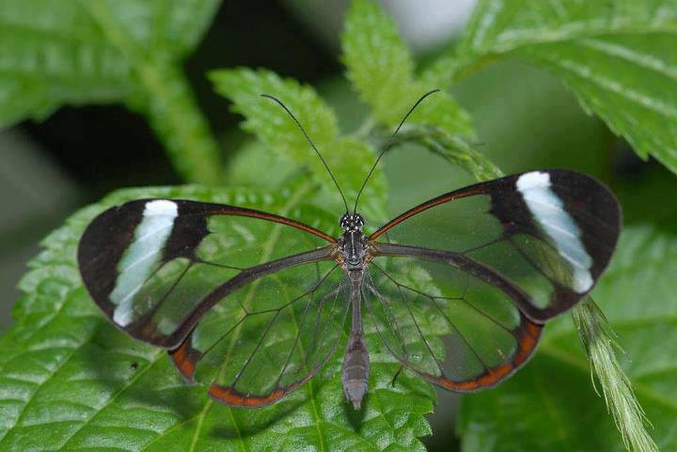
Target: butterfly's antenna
298, 123
390, 143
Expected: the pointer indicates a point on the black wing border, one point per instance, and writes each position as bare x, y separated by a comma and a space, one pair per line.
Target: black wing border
94, 263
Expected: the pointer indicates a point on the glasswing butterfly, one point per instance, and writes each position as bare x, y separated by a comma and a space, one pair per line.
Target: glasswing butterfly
484, 267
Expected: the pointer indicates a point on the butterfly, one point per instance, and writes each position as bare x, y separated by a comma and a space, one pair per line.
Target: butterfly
457, 288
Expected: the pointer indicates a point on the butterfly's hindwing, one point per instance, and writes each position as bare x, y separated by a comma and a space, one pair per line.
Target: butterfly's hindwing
269, 337
445, 324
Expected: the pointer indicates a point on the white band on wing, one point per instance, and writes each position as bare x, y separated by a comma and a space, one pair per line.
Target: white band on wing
549, 211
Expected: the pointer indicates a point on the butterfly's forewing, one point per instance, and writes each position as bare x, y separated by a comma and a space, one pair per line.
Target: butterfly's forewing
550, 234
156, 266
447, 325
268, 337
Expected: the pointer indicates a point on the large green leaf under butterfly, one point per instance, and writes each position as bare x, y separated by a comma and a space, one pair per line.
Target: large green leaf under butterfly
129, 395
492, 262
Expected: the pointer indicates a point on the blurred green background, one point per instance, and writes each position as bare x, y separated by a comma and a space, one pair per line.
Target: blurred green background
525, 119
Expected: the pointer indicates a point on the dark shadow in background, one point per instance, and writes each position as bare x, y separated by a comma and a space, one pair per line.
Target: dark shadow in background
107, 147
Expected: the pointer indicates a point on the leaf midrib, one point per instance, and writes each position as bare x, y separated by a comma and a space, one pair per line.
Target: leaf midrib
468, 61
309, 390
127, 385
51, 373
535, 36
609, 85
79, 38
268, 247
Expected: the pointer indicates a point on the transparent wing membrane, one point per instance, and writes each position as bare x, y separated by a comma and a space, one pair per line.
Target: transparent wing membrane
268, 337
548, 233
444, 324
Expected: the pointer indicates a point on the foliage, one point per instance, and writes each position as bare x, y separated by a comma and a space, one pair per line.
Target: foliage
70, 380
349, 158
382, 70
100, 51
617, 56
553, 393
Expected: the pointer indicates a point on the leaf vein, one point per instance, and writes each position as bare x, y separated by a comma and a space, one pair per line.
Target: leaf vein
114, 396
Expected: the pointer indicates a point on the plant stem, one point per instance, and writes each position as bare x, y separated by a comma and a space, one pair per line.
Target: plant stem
173, 113
165, 97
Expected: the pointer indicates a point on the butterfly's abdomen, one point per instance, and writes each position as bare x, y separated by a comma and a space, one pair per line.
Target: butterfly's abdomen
356, 360
356, 369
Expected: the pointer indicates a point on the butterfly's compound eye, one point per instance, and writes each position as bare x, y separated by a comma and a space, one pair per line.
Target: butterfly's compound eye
351, 222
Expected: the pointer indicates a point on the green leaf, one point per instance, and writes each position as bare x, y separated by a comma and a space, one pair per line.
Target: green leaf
69, 379
550, 404
378, 62
348, 158
269, 122
76, 52
382, 70
618, 57
629, 81
455, 150
441, 110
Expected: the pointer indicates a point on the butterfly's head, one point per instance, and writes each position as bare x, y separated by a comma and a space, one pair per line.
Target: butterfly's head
351, 222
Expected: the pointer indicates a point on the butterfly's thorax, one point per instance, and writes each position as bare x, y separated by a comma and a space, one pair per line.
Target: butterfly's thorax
352, 243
